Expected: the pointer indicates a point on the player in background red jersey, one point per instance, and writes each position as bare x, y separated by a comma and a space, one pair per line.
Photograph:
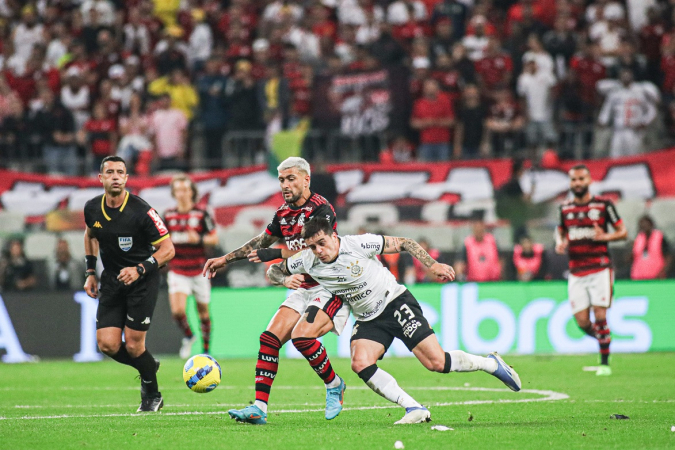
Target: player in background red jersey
584, 233
194, 230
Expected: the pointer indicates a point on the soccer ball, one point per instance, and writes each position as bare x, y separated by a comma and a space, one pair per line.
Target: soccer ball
202, 373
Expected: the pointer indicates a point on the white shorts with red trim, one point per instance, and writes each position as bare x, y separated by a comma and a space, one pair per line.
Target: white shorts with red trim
338, 311
198, 286
595, 289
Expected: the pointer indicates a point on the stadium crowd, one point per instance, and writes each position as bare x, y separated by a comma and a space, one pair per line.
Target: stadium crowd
154, 80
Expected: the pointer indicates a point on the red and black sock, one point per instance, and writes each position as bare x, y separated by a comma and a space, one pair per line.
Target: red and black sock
181, 320
206, 333
317, 357
266, 368
604, 338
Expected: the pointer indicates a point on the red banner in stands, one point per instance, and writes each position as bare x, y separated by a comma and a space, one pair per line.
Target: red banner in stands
230, 191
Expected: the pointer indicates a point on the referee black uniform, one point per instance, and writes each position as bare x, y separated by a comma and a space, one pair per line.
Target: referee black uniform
126, 236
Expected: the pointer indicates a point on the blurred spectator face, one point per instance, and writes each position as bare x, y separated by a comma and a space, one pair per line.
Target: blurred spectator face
100, 112
478, 228
443, 61
47, 97
62, 251
626, 77
458, 52
177, 77
431, 88
104, 39
533, 43
560, 24
646, 225
526, 243
444, 29
16, 249
424, 244
212, 66
242, 70
370, 62
135, 102
105, 89
28, 16
471, 95
272, 72
478, 23
502, 95
420, 48
165, 101
291, 53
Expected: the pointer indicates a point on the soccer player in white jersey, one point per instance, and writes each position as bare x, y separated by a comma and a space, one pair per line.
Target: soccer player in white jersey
348, 267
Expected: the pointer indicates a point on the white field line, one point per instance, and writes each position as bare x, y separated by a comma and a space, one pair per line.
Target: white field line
546, 396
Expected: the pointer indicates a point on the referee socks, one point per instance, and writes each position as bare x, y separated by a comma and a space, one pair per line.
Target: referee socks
147, 368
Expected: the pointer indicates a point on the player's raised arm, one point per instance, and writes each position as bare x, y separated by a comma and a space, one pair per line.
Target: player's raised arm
263, 240
91, 255
398, 244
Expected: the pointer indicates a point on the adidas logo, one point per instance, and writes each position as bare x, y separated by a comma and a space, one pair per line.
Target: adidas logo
97, 224
282, 222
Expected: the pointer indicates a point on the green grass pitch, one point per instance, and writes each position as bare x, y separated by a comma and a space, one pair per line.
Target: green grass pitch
61, 404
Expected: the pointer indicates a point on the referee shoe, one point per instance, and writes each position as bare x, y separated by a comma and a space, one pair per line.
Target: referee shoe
151, 403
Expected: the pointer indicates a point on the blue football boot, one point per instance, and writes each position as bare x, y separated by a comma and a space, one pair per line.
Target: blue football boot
250, 414
505, 373
334, 398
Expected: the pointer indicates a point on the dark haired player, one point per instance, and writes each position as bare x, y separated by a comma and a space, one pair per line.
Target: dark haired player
133, 243
584, 233
308, 313
348, 267
192, 229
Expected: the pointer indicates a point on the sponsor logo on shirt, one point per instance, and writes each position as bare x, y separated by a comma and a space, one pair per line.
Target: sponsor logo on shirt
579, 233
159, 224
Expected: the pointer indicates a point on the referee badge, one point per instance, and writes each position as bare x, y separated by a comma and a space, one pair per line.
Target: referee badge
125, 243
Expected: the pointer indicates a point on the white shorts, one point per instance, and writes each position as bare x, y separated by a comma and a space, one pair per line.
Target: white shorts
595, 289
300, 299
199, 286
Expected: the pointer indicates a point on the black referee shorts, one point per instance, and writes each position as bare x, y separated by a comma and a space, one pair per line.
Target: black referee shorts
402, 319
131, 306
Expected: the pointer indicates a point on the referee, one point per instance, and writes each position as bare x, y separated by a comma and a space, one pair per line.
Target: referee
125, 229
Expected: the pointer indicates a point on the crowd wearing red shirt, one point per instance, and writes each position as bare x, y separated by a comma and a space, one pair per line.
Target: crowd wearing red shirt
95, 55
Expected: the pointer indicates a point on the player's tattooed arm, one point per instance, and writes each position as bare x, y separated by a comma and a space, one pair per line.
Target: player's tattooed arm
277, 273
263, 240
399, 244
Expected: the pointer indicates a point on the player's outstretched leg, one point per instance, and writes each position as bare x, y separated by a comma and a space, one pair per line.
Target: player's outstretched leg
432, 356
385, 385
316, 355
265, 372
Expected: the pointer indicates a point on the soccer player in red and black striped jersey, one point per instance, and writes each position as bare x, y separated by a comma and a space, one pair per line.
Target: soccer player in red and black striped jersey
584, 233
309, 312
193, 229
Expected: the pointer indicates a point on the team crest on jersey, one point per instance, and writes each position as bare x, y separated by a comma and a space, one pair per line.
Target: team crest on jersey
125, 243
594, 214
355, 269
301, 220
